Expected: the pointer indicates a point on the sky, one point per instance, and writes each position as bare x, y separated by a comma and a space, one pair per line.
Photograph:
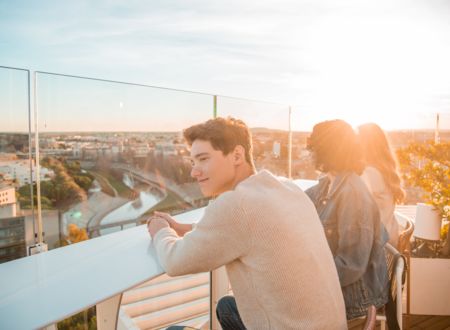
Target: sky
358, 60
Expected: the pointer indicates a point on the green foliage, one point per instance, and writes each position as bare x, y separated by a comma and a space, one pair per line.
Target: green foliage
427, 166
69, 184
83, 181
24, 198
24, 191
111, 182
86, 319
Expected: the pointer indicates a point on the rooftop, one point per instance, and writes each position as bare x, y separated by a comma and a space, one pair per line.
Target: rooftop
117, 271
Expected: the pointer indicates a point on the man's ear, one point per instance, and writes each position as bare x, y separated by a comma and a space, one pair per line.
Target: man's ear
239, 155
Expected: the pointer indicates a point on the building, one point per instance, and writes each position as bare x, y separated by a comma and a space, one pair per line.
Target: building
166, 149
12, 238
276, 150
12, 228
8, 205
141, 150
18, 170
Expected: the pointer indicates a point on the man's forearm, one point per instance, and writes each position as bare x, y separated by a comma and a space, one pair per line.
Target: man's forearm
182, 229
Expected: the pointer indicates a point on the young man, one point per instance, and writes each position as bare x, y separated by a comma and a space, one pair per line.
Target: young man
263, 229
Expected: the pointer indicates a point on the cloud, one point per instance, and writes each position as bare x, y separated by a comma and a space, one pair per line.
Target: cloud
317, 54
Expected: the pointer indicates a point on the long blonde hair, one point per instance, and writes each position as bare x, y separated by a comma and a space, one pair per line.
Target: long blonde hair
378, 153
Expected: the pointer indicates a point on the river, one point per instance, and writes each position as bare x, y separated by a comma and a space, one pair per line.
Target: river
132, 210
98, 202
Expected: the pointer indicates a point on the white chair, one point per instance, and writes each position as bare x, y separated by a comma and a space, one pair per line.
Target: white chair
404, 247
395, 267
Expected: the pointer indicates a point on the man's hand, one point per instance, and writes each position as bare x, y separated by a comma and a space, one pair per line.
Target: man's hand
180, 228
155, 224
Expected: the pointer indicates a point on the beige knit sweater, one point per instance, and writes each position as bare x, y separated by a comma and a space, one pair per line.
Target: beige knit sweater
269, 236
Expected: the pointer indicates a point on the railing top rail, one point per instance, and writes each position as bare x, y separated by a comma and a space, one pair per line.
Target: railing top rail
41, 289
12, 68
153, 86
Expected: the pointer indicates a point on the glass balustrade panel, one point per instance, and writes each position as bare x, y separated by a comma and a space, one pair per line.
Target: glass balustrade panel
111, 153
16, 196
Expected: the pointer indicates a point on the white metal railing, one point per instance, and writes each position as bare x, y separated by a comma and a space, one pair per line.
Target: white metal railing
44, 288
41, 289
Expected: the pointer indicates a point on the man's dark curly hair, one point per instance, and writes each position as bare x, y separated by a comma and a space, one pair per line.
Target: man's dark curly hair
336, 148
224, 134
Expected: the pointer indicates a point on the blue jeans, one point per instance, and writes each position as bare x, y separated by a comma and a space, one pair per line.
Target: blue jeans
227, 314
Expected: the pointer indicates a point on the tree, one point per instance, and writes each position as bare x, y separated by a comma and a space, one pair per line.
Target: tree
63, 189
83, 181
76, 234
427, 166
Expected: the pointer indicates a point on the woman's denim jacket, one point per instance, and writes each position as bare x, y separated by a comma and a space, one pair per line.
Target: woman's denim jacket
356, 238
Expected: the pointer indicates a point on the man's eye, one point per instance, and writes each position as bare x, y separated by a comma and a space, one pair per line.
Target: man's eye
202, 158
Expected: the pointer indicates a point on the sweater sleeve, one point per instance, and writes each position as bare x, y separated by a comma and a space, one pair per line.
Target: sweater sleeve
221, 236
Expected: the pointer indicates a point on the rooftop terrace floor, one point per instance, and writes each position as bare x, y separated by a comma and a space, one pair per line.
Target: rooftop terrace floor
416, 322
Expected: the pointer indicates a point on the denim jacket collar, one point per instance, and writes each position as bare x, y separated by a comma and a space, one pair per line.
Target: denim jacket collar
324, 181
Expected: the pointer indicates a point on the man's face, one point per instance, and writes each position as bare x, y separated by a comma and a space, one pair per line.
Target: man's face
214, 171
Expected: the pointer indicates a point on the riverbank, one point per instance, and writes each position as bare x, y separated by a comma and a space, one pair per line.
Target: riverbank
169, 203
114, 204
91, 211
111, 185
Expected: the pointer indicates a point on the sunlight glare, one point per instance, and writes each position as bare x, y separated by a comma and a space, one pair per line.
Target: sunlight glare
376, 71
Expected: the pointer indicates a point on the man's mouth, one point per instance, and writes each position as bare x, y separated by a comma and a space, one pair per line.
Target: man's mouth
202, 181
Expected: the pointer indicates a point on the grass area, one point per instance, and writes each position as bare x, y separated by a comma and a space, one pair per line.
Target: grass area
170, 203
104, 184
108, 182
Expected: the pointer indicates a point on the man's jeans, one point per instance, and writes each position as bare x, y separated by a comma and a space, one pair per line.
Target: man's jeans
227, 314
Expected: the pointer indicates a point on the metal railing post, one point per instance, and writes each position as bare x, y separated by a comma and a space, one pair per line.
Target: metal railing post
37, 163
218, 284
108, 313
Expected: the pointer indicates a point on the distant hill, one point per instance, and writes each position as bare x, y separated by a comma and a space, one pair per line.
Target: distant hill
261, 130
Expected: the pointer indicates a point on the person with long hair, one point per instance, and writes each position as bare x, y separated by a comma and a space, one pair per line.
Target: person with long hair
381, 175
350, 217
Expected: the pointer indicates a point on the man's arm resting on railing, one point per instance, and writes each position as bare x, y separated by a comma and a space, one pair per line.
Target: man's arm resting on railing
180, 228
219, 238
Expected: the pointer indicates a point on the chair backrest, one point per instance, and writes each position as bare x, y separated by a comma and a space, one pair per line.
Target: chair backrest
396, 265
371, 318
404, 238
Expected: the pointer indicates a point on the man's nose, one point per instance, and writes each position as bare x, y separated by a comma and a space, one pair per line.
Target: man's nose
195, 172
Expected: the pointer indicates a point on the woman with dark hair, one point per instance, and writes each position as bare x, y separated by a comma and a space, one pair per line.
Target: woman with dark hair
381, 176
350, 217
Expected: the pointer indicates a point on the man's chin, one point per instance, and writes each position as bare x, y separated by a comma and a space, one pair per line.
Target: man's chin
206, 193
